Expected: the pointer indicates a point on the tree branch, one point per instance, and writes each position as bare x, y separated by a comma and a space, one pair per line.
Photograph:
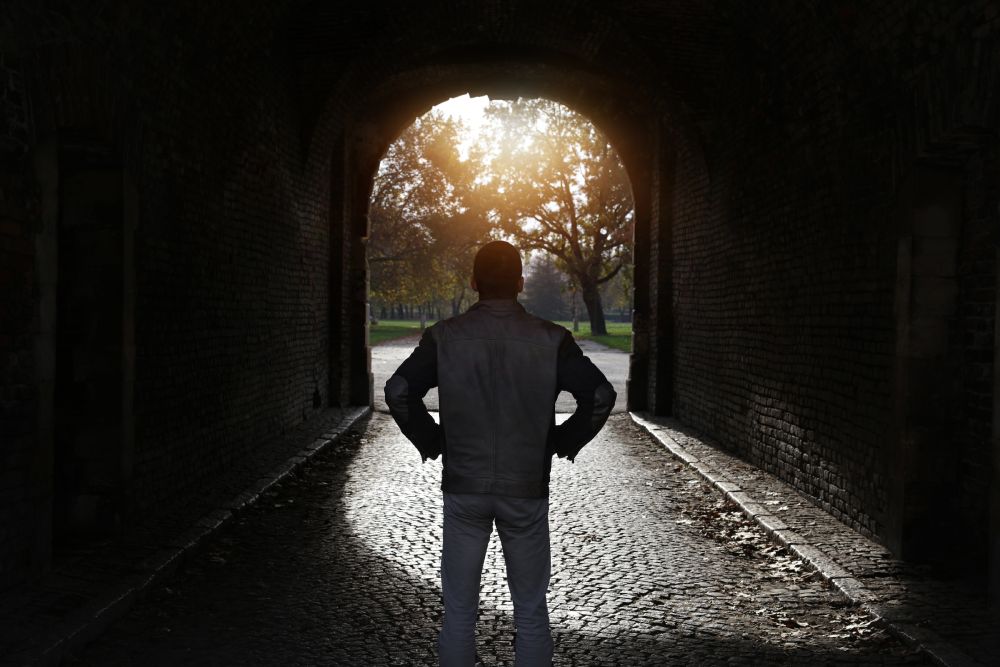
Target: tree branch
614, 272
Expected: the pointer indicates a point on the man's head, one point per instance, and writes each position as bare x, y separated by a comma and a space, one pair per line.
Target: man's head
496, 273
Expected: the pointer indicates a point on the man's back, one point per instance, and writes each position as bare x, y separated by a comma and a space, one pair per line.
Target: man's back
497, 379
499, 371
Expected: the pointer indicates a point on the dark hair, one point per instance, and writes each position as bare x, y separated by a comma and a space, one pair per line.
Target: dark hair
497, 269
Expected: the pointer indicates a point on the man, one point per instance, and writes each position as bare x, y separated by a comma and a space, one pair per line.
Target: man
499, 371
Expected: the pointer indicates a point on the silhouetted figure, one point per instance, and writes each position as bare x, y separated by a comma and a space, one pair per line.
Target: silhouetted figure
499, 371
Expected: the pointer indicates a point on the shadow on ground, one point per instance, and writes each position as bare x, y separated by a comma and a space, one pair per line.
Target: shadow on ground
291, 582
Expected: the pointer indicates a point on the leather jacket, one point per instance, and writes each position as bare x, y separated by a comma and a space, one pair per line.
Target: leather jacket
499, 371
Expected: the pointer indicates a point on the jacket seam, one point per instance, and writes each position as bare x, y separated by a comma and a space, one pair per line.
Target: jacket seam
493, 409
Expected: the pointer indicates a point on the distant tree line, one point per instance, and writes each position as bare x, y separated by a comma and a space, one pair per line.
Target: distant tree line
550, 293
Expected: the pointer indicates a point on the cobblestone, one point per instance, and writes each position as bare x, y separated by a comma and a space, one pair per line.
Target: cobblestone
339, 566
941, 612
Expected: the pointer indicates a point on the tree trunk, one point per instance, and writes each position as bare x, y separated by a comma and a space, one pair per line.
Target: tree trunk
592, 300
576, 311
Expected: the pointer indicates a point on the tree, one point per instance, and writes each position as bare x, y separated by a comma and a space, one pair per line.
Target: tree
422, 236
541, 176
544, 288
456, 238
553, 182
617, 293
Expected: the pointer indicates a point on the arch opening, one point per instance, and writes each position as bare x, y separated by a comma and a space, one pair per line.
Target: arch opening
528, 170
381, 110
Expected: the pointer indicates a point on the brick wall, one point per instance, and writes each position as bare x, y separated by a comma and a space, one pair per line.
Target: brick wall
231, 239
17, 322
972, 339
232, 251
784, 325
954, 69
785, 248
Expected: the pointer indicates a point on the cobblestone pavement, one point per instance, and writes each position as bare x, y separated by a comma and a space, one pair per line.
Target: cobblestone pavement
943, 610
339, 566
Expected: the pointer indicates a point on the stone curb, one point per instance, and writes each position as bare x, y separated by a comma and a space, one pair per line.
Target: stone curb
927, 641
87, 623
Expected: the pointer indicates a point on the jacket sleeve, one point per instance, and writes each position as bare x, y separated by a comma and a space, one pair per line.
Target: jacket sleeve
405, 391
594, 399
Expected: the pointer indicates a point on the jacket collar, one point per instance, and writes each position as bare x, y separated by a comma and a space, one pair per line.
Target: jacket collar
498, 306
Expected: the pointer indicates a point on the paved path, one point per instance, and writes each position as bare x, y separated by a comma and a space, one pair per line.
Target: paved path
387, 356
339, 567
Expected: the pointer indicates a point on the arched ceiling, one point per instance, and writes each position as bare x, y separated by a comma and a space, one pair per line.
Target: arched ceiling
702, 62
640, 56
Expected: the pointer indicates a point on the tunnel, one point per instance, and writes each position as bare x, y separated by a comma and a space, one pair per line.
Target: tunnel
183, 210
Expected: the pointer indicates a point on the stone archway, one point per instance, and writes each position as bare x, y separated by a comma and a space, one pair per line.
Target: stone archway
625, 115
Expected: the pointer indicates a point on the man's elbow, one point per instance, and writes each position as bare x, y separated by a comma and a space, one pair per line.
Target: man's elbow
397, 391
604, 401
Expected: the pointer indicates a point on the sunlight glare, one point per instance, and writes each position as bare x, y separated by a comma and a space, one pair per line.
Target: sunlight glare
471, 111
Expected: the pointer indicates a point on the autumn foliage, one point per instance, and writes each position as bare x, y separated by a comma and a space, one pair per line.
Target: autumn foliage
538, 174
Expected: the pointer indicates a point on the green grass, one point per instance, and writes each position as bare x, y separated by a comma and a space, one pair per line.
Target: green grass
392, 329
619, 333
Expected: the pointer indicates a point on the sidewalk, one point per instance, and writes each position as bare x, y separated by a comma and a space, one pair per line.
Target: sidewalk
87, 590
949, 622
